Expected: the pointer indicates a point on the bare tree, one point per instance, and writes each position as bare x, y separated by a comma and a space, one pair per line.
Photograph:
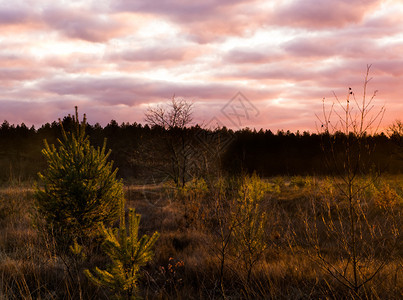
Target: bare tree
360, 236
178, 113
396, 128
177, 146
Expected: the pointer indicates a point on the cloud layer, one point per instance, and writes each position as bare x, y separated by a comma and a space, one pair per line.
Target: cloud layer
114, 58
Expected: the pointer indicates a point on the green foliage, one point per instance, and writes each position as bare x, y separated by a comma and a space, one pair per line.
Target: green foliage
196, 187
127, 254
77, 250
384, 196
300, 182
249, 234
79, 188
278, 183
192, 195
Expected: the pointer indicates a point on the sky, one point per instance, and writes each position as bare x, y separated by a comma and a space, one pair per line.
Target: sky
242, 63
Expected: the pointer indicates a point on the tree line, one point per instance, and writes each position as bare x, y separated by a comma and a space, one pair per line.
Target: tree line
179, 153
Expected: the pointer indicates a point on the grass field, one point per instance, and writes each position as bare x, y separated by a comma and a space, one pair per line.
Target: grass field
295, 245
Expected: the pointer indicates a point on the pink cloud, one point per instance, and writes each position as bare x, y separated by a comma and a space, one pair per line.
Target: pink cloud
150, 54
177, 9
13, 16
211, 54
164, 55
83, 25
246, 55
329, 14
19, 74
202, 22
132, 92
75, 63
30, 112
77, 23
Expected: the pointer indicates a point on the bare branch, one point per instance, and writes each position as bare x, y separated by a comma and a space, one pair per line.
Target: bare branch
178, 113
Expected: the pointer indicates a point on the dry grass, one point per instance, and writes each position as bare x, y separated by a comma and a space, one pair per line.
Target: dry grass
186, 264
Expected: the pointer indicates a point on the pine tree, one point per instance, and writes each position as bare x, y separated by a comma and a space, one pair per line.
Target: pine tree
79, 188
127, 254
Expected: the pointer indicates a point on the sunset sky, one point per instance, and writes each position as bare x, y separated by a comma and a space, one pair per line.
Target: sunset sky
114, 58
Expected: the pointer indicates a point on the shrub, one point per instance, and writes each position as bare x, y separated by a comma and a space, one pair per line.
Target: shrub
363, 242
127, 254
79, 188
191, 195
250, 232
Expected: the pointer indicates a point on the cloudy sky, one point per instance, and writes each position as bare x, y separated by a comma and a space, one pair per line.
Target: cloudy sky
263, 64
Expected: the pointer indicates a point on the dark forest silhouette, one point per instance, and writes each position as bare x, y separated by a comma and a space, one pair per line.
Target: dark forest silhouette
137, 150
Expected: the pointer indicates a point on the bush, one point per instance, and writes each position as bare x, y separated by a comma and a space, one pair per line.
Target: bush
127, 254
250, 219
79, 188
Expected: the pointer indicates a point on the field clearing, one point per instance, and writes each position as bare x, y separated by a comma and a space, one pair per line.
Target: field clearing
187, 259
